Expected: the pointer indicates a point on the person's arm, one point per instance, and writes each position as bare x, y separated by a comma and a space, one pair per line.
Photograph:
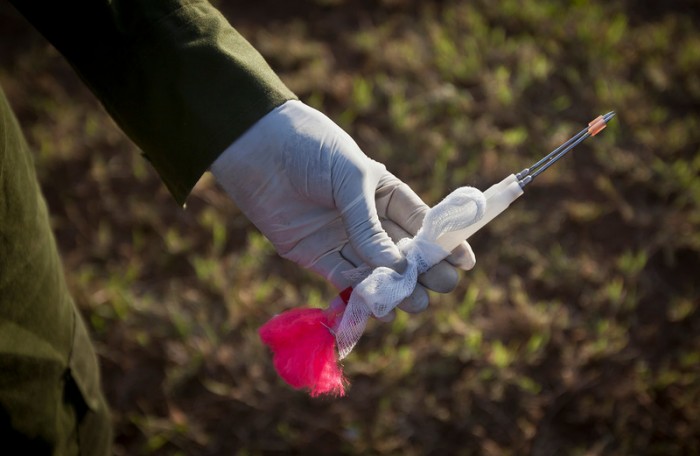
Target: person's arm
175, 76
324, 204
192, 93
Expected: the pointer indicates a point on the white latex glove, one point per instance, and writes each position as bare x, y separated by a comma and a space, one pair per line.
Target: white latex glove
324, 204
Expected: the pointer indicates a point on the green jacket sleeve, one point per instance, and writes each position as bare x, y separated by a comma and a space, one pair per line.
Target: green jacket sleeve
174, 75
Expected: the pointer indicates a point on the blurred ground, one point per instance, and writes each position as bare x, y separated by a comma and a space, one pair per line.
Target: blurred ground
578, 332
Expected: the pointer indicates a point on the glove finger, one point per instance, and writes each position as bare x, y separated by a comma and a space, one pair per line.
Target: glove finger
418, 301
388, 318
462, 257
397, 202
355, 201
442, 278
400, 204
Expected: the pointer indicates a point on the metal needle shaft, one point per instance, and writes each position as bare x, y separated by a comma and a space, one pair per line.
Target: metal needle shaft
594, 127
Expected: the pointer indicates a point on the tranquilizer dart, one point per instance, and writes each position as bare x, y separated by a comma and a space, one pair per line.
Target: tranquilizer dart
308, 343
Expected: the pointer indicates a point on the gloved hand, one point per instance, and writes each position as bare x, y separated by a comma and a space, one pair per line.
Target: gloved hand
324, 204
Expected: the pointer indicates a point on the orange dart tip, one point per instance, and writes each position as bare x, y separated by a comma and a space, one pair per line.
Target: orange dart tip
596, 125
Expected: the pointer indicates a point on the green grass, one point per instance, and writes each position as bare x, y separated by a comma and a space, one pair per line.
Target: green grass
578, 331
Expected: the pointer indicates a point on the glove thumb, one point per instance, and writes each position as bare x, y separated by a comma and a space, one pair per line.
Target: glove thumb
357, 207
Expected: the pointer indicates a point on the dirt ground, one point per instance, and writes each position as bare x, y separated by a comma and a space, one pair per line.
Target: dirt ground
578, 331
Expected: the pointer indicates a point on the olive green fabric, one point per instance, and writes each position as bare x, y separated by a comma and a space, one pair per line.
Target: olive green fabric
174, 74
50, 400
183, 84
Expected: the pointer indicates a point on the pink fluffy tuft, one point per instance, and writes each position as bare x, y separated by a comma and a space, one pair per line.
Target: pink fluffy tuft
303, 347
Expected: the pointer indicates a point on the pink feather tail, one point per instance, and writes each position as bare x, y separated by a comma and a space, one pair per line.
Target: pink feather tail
302, 341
